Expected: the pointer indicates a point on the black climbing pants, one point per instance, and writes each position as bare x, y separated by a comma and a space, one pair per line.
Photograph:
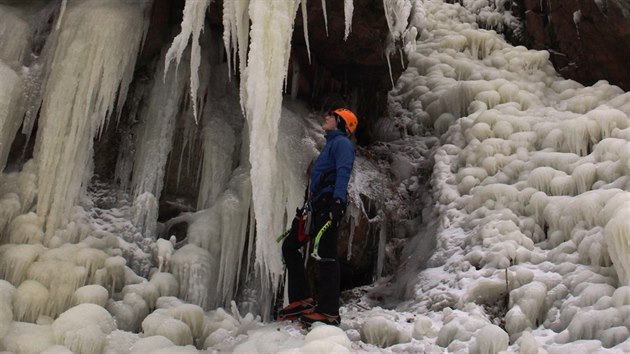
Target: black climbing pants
329, 278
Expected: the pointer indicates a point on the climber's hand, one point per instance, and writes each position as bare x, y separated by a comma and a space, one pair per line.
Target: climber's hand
336, 211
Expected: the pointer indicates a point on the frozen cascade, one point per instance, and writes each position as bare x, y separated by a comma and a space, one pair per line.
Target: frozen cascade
10, 118
192, 26
531, 182
272, 26
216, 239
41, 16
154, 133
87, 70
218, 232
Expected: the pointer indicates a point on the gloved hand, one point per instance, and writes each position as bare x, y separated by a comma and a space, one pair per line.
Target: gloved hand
336, 211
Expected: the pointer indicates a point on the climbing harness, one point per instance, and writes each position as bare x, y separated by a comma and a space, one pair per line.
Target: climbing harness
304, 224
321, 232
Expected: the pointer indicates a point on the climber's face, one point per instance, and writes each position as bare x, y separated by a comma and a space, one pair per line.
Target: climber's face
330, 123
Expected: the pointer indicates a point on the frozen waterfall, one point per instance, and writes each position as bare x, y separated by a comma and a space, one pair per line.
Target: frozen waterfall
88, 81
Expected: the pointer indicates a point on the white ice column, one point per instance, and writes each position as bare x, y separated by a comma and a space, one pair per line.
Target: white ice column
92, 65
10, 119
271, 31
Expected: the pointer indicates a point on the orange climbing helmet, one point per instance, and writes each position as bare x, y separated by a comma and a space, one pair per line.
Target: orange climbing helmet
350, 120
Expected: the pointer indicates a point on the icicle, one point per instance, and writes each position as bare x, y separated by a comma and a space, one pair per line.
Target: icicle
348, 9
305, 25
389, 66
229, 33
396, 14
382, 239
242, 28
236, 37
192, 26
88, 71
325, 16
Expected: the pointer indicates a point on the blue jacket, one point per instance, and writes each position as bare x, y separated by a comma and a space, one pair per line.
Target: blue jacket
332, 169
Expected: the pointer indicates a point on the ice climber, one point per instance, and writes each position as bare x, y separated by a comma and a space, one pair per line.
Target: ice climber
324, 208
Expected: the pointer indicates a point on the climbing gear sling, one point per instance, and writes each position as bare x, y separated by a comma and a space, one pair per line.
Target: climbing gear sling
321, 232
283, 235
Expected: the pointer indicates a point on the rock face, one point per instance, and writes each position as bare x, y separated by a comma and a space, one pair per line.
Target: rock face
589, 39
353, 70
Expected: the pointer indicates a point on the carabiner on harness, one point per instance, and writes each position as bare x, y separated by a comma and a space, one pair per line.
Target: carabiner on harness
321, 232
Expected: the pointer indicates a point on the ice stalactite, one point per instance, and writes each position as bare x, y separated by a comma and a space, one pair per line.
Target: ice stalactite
236, 32
305, 28
348, 9
10, 118
192, 26
272, 27
229, 38
88, 80
325, 16
397, 15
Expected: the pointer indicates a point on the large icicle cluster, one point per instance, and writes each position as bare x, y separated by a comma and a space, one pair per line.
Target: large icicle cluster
271, 32
263, 69
88, 81
192, 26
